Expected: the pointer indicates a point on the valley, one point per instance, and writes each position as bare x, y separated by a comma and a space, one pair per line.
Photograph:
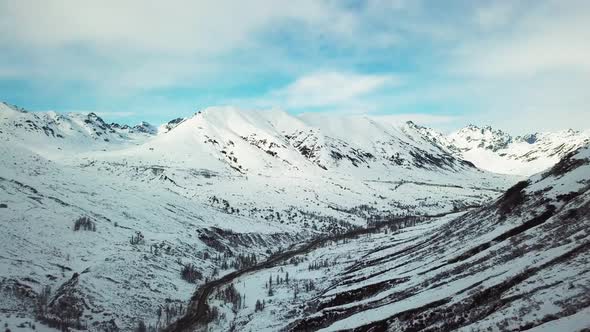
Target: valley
106, 226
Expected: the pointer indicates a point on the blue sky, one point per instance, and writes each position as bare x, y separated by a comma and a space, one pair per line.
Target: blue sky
518, 65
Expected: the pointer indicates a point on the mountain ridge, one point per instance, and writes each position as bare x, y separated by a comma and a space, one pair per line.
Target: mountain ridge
324, 139
112, 219
497, 151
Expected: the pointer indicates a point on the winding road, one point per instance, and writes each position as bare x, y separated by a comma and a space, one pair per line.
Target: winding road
198, 309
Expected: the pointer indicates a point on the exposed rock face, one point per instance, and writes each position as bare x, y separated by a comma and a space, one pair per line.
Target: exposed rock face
483, 138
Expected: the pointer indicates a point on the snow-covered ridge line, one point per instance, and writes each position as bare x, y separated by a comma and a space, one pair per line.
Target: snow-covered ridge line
497, 151
243, 141
142, 126
327, 141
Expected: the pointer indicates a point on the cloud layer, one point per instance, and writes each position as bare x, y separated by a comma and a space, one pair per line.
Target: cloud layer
330, 89
466, 61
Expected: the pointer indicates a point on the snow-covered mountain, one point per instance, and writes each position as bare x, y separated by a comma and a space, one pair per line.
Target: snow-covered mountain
103, 224
108, 215
497, 151
519, 263
78, 131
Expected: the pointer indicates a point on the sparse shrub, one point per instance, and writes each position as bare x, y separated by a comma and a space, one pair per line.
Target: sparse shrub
213, 314
565, 165
189, 273
244, 261
165, 315
85, 224
259, 306
513, 197
141, 327
137, 239
568, 197
309, 286
320, 264
42, 301
231, 295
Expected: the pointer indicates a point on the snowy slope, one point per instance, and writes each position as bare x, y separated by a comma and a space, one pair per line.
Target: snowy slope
223, 182
62, 134
497, 151
202, 190
519, 263
255, 140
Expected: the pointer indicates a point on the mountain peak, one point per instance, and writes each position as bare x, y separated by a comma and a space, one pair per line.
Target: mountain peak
6, 107
481, 129
145, 127
484, 137
528, 138
471, 127
166, 127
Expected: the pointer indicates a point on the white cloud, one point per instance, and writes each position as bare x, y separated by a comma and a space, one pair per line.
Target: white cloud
548, 37
123, 46
180, 26
331, 89
495, 14
495, 59
520, 67
119, 47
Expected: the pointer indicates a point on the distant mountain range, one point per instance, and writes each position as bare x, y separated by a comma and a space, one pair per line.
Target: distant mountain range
497, 151
294, 142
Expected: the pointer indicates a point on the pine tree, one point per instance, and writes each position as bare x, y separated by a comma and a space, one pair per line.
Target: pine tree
259, 306
141, 327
